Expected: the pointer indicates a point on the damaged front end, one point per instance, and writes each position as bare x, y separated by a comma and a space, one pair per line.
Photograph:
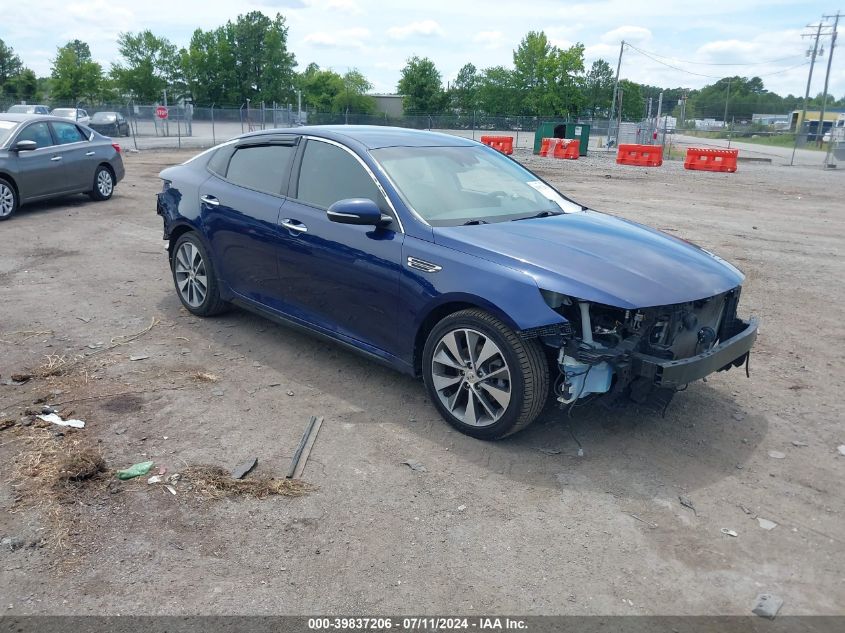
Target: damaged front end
616, 355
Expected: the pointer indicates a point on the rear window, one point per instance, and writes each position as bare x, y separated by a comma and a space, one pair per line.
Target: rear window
262, 167
67, 133
22, 109
6, 128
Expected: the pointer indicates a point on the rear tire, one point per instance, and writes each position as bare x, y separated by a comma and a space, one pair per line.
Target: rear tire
194, 277
103, 184
8, 199
485, 381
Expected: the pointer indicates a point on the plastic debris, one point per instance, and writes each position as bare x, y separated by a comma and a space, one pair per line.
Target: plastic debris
139, 357
171, 489
841, 449
155, 479
55, 418
461, 508
729, 532
136, 470
687, 503
766, 524
799, 443
241, 470
767, 605
776, 455
414, 465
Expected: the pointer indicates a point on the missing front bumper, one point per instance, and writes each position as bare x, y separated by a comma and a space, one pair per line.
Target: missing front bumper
674, 374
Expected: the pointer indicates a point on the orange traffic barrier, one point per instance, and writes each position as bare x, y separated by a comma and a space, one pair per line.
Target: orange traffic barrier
567, 148
707, 159
640, 155
502, 144
547, 144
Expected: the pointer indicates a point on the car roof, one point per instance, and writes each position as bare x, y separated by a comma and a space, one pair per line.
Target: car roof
21, 117
373, 136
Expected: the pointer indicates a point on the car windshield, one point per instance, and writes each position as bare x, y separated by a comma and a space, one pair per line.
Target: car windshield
22, 109
64, 112
6, 128
104, 117
448, 186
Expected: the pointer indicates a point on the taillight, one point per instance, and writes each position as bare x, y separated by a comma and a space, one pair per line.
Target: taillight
116, 147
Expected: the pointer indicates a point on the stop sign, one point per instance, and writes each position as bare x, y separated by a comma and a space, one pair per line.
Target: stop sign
161, 112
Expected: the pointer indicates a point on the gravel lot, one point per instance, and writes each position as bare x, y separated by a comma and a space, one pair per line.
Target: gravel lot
520, 526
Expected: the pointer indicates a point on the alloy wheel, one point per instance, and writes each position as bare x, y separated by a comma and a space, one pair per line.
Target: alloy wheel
104, 183
191, 276
7, 201
471, 377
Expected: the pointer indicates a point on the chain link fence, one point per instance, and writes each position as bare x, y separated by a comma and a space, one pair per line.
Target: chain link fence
192, 127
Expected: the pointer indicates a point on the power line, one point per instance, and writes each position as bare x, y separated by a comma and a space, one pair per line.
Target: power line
689, 72
689, 61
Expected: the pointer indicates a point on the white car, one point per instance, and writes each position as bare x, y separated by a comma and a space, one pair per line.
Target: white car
74, 114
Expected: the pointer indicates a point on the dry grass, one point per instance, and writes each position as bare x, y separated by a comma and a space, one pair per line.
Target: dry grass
216, 482
49, 474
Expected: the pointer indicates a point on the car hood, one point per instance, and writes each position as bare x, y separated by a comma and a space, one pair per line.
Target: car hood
599, 258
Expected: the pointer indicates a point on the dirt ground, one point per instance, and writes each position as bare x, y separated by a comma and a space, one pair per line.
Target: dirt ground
521, 526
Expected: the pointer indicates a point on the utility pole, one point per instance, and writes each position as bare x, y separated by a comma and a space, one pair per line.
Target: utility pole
727, 98
657, 120
615, 91
820, 134
798, 124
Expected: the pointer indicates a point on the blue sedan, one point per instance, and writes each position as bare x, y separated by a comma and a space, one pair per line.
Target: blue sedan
443, 258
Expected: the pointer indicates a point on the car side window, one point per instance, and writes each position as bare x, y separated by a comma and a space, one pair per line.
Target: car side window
329, 173
67, 133
38, 132
261, 167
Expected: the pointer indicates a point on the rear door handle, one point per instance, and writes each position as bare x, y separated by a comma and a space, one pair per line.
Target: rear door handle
210, 200
90, 153
293, 225
55, 158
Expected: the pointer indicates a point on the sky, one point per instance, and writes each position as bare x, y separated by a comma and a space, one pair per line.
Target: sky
702, 41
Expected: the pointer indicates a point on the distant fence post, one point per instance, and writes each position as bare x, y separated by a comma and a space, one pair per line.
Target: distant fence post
213, 135
179, 126
129, 112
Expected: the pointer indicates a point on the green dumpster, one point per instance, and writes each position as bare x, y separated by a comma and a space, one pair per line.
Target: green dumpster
560, 129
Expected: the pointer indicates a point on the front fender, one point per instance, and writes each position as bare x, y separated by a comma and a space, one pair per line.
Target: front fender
508, 294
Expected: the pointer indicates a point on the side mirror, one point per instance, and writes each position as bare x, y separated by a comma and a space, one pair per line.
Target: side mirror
361, 211
25, 146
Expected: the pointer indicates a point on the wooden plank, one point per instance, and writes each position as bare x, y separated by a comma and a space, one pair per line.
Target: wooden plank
297, 455
306, 451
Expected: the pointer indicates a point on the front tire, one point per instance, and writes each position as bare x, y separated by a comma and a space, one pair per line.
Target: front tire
8, 199
103, 184
485, 381
194, 277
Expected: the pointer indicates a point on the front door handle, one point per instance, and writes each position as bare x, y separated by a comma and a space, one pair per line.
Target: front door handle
90, 153
290, 225
210, 200
55, 158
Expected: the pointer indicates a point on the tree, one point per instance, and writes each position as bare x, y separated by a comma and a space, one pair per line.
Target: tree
208, 65
320, 88
263, 65
497, 92
353, 97
464, 93
244, 59
549, 79
150, 66
632, 101
530, 60
598, 88
421, 86
10, 67
25, 86
76, 76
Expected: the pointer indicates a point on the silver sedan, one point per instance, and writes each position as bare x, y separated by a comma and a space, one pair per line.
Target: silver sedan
45, 157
